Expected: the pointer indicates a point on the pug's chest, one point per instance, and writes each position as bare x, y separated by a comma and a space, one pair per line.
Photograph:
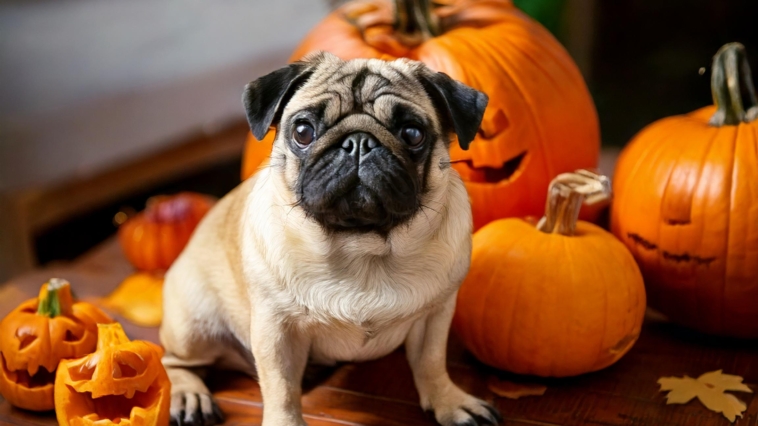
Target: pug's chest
340, 342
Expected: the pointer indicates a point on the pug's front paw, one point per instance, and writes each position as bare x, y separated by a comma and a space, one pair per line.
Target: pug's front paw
457, 408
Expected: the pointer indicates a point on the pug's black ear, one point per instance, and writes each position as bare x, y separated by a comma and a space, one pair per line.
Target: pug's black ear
266, 97
461, 106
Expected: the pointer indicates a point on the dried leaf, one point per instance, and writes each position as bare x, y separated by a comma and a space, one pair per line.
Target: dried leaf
512, 390
709, 389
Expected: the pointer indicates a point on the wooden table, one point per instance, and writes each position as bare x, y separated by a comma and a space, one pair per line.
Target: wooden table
381, 392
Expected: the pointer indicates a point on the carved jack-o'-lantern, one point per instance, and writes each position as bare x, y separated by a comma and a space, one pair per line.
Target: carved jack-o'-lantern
687, 206
540, 120
122, 382
36, 336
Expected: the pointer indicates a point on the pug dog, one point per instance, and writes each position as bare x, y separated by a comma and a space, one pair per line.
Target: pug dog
352, 241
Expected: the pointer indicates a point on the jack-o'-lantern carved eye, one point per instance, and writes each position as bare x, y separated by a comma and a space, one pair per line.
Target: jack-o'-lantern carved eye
127, 364
84, 370
25, 340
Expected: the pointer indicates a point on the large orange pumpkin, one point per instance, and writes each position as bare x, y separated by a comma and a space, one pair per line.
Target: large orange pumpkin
558, 299
39, 333
123, 383
687, 206
153, 239
540, 120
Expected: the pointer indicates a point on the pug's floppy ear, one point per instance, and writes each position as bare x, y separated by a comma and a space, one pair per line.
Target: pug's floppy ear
265, 98
463, 106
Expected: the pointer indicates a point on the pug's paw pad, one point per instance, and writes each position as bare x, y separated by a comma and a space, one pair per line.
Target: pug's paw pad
194, 409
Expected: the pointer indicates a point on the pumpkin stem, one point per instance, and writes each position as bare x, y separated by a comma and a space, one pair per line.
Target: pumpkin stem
110, 335
566, 194
415, 21
55, 298
730, 78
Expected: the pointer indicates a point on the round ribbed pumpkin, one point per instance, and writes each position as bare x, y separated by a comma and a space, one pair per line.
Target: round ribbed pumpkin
687, 206
540, 120
557, 299
153, 239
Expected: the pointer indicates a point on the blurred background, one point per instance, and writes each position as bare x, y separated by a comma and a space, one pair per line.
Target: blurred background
104, 104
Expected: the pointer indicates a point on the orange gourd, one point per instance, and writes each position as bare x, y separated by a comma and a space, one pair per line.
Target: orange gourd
153, 239
39, 333
540, 120
558, 299
687, 206
122, 382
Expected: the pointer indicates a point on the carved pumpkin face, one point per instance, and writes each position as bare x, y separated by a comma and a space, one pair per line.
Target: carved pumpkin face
540, 120
36, 336
122, 382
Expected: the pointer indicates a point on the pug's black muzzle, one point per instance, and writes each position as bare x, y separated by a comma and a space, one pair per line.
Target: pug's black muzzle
358, 184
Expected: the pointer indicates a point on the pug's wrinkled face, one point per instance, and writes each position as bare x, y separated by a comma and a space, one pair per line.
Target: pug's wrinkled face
356, 139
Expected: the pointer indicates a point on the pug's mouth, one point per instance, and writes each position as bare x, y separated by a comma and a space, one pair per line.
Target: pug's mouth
493, 174
126, 409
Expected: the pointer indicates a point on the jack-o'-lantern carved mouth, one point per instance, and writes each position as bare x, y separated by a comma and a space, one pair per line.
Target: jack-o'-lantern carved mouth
685, 257
492, 174
126, 409
39, 379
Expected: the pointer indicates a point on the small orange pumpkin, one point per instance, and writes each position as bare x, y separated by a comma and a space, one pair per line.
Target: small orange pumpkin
559, 299
39, 333
540, 120
153, 239
122, 382
687, 206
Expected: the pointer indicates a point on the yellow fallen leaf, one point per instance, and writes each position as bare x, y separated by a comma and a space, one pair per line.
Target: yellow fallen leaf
139, 299
709, 389
512, 390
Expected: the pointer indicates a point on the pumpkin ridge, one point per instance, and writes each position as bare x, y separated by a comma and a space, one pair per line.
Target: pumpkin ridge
674, 218
727, 258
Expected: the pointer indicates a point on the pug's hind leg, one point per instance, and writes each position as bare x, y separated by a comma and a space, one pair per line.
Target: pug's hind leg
191, 401
426, 347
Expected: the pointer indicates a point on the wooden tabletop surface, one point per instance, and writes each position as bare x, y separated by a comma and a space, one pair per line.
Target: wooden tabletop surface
381, 392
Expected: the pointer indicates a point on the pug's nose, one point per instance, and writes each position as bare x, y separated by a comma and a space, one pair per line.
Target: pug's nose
359, 144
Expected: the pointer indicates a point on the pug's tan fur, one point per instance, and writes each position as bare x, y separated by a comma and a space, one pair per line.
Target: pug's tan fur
261, 283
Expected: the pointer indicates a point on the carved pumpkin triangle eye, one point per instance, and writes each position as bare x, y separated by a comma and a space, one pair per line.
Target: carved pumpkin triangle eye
84, 370
128, 364
494, 124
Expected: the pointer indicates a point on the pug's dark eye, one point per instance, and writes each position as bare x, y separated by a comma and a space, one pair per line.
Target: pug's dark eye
303, 134
413, 136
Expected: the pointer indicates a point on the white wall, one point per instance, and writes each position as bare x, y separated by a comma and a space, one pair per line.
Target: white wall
86, 84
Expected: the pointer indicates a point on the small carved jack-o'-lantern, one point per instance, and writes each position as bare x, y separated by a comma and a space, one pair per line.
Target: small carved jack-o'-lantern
36, 336
687, 206
540, 120
122, 382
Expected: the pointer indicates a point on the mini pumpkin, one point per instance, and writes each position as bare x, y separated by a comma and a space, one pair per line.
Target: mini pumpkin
558, 299
122, 382
687, 206
540, 120
153, 239
39, 333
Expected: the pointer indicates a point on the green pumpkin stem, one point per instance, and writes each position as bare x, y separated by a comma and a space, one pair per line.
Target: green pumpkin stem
566, 194
55, 298
730, 78
415, 20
